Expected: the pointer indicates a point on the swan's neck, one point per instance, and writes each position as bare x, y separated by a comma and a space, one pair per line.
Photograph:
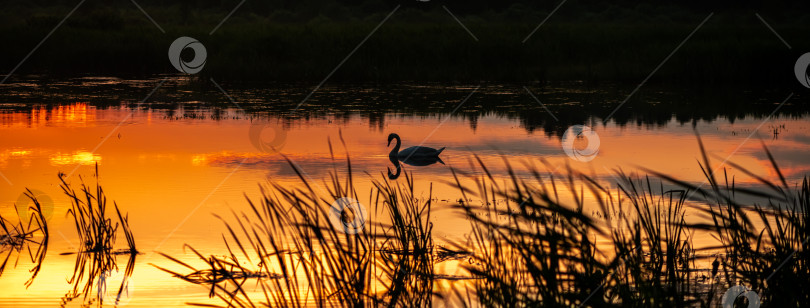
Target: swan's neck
395, 150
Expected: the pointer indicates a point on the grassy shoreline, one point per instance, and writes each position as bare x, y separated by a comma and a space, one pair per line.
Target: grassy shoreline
292, 248
544, 255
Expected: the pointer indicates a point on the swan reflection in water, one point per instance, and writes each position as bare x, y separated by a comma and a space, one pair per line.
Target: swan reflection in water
414, 156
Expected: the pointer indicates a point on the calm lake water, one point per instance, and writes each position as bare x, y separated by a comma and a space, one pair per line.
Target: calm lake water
189, 152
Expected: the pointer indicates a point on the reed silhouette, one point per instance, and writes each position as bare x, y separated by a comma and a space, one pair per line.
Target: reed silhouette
91, 276
23, 235
96, 231
544, 254
96, 259
529, 245
299, 257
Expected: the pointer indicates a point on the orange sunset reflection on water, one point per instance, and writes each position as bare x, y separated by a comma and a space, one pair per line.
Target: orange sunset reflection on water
172, 173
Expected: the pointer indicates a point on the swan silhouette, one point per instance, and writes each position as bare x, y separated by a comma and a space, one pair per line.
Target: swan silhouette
415, 155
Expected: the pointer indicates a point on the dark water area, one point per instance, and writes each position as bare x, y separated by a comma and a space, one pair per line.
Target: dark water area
528, 104
171, 151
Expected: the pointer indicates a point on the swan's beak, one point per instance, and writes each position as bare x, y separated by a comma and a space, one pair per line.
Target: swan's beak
389, 142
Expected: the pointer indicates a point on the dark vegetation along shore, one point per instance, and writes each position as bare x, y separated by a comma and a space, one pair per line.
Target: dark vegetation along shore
571, 103
545, 254
616, 41
288, 249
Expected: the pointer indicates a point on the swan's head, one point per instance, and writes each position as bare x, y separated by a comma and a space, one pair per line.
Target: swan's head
392, 136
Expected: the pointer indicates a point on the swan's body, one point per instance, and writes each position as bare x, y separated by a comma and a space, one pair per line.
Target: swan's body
415, 155
418, 152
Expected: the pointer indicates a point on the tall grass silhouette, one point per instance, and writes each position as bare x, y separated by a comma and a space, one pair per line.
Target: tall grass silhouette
96, 259
765, 243
96, 231
547, 239
298, 257
23, 235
